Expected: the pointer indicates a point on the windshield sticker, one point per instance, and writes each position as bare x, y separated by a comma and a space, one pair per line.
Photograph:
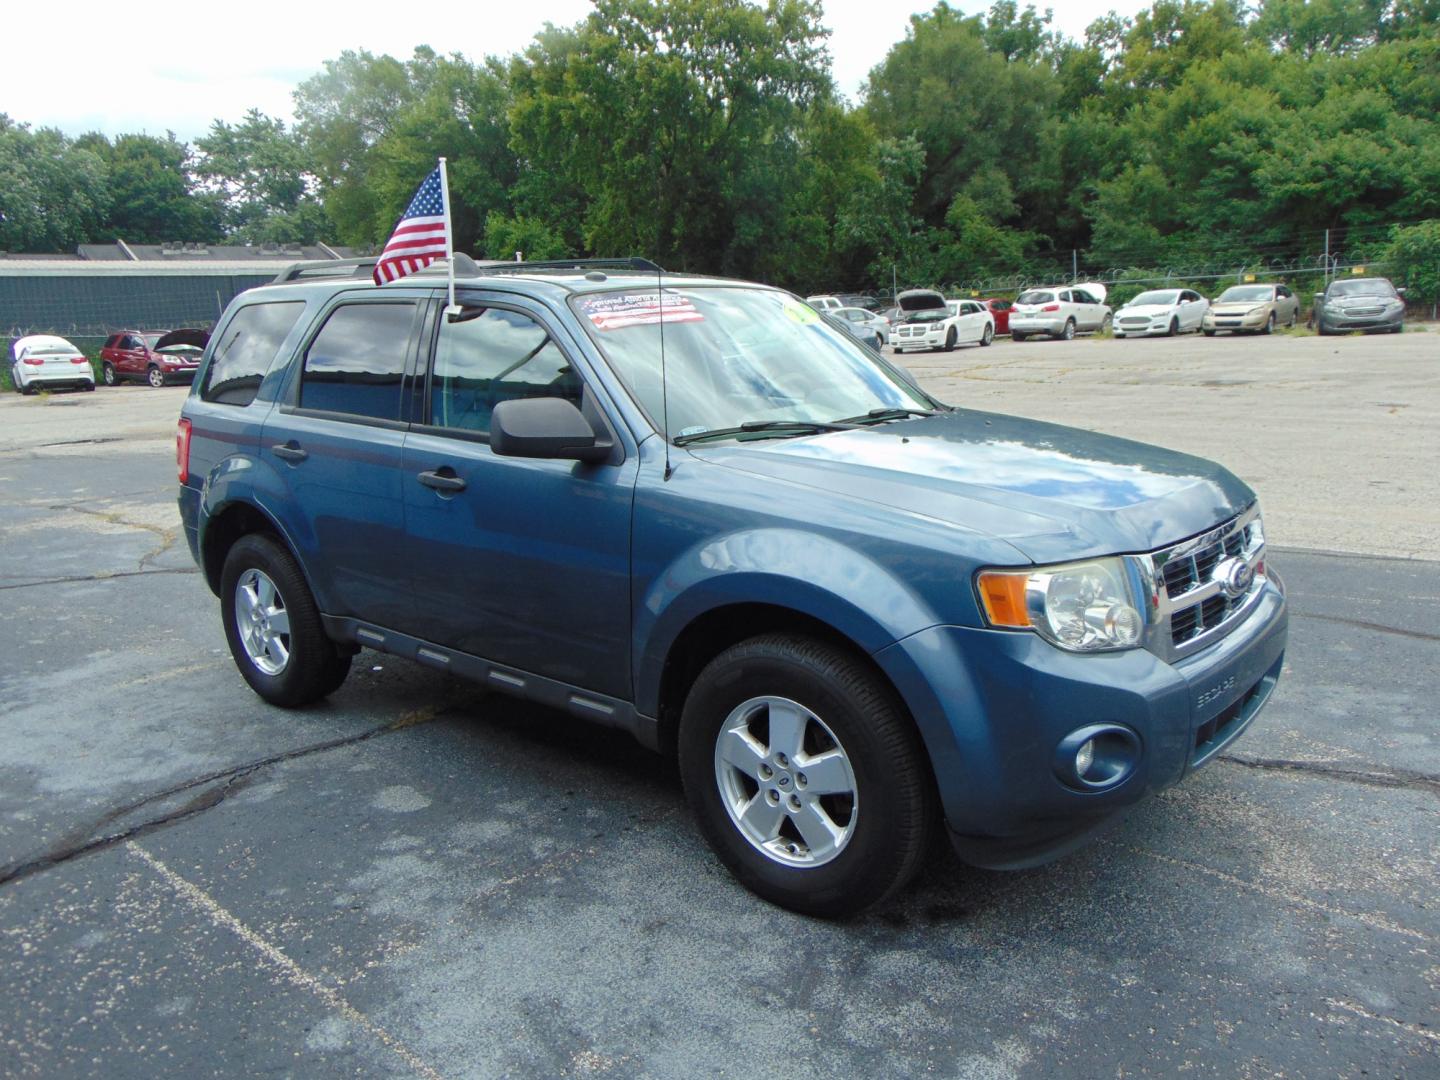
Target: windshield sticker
803, 314
615, 311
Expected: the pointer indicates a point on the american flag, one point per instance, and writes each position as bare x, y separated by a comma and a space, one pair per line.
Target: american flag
419, 236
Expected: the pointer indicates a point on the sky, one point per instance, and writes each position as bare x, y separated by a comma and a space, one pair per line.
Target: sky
158, 66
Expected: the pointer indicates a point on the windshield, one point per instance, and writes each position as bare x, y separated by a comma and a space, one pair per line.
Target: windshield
151, 339
1160, 297
1241, 293
737, 355
1363, 287
1035, 297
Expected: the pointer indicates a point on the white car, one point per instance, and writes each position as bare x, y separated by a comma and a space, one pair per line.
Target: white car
824, 303
45, 362
860, 317
1161, 311
928, 321
1061, 311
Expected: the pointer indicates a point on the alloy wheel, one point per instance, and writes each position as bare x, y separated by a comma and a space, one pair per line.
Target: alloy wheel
262, 621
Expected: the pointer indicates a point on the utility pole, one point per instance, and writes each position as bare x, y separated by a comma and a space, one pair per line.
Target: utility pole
1074, 265
1327, 257
894, 284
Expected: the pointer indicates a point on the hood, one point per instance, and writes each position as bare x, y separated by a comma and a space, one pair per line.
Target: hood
198, 338
1238, 307
1055, 493
920, 300
1149, 310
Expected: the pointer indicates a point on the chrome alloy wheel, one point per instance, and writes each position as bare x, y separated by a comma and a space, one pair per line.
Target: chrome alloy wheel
262, 621
786, 781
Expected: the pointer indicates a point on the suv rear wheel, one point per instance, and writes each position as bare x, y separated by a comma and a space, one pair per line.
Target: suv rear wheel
107, 372
807, 778
273, 625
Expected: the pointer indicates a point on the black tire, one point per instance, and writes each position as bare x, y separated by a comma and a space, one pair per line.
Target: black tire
950, 340
895, 804
1173, 329
1067, 334
1018, 337
155, 377
1208, 333
1269, 324
88, 386
107, 373
1294, 318
988, 335
314, 667
1397, 328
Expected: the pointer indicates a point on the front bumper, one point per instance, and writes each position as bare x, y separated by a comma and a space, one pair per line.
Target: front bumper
992, 707
1343, 320
1140, 329
931, 339
1223, 321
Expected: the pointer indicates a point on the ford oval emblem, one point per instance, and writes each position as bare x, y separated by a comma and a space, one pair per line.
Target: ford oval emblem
1234, 577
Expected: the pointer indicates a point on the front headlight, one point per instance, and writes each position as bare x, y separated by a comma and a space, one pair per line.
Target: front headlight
1255, 311
1082, 607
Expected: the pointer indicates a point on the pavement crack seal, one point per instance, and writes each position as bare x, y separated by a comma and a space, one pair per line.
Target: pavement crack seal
77, 578
1419, 1031
1367, 918
1361, 624
279, 961
1374, 777
85, 841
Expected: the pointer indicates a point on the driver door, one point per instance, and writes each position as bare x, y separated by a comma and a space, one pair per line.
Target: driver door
522, 561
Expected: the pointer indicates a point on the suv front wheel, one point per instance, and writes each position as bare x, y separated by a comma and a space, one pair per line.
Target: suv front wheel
806, 776
273, 626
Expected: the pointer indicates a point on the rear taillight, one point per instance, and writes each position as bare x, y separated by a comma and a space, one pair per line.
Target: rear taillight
182, 450
1051, 307
78, 360
33, 361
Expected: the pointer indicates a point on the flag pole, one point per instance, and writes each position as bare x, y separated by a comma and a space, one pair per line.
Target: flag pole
449, 236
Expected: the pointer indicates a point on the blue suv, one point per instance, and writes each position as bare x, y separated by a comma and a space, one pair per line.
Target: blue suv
691, 509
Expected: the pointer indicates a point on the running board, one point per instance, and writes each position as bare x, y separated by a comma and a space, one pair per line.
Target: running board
586, 704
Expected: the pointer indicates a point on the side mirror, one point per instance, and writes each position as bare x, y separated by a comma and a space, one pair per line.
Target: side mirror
1319, 296
545, 428
1401, 290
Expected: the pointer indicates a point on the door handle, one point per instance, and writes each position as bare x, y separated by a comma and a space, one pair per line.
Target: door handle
442, 481
289, 452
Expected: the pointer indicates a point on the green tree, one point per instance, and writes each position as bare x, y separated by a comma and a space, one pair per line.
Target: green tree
153, 195
55, 194
1413, 257
258, 171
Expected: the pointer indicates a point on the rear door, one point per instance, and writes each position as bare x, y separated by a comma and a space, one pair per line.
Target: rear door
524, 562
131, 355
336, 440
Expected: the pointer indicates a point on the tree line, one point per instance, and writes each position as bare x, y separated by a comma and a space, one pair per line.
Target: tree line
710, 135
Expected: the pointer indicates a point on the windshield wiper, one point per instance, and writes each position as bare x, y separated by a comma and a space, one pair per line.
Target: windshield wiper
879, 416
792, 427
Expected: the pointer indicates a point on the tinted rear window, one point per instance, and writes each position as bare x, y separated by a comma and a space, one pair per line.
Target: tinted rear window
356, 364
245, 351
1035, 298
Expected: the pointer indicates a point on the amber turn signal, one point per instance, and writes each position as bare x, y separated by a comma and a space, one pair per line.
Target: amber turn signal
1003, 594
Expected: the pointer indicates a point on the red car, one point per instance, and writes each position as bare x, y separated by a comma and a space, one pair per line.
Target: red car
1000, 309
153, 356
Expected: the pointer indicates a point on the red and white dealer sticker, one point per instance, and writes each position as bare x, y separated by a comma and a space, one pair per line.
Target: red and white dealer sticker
615, 311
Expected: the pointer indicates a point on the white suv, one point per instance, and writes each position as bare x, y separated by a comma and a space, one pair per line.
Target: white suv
1061, 311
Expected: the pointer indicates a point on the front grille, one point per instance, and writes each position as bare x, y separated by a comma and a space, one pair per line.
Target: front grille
1362, 313
1196, 606
1134, 322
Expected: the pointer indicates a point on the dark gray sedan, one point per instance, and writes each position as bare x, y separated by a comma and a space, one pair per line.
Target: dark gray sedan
1359, 304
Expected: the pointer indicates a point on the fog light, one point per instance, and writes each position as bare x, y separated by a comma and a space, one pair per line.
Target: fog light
1097, 757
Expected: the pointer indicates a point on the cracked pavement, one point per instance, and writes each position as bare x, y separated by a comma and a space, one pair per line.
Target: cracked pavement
418, 878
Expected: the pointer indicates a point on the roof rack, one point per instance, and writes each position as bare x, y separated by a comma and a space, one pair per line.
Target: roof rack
465, 267
322, 269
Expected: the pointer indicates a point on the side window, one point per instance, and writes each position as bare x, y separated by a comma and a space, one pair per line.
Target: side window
495, 355
130, 341
356, 364
1282, 292
112, 341
1069, 297
244, 351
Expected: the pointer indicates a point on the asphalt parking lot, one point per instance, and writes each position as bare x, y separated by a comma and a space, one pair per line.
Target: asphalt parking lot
419, 878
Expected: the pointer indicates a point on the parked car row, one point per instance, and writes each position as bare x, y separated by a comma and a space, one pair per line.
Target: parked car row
156, 357
924, 319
